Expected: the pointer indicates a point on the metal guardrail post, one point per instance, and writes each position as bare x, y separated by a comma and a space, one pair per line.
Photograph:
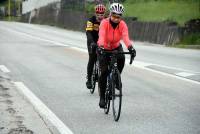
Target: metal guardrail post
9, 10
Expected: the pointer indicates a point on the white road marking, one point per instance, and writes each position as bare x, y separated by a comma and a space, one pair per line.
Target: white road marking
145, 64
176, 68
4, 69
165, 74
79, 49
38, 38
42, 109
184, 74
139, 64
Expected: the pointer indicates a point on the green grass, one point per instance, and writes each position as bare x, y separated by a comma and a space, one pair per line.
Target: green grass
165, 10
189, 41
89, 7
185, 46
12, 18
192, 39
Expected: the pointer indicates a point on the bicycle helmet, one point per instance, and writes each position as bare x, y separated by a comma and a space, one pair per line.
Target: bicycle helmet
100, 8
117, 8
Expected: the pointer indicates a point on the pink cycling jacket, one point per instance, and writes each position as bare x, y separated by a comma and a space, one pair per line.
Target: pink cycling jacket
110, 38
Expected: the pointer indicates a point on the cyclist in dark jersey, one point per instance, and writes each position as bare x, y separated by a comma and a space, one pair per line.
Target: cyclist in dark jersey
92, 31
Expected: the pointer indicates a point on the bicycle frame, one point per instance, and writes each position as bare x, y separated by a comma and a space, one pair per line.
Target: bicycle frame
111, 84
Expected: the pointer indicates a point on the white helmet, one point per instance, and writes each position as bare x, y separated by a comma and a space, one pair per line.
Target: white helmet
117, 8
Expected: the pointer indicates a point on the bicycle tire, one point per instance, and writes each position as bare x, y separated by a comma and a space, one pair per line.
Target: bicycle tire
108, 95
93, 79
116, 95
107, 100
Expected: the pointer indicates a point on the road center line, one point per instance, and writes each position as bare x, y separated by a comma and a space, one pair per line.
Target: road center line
42, 109
4, 69
165, 74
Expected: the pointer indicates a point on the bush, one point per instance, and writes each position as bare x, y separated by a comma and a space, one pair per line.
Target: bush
192, 39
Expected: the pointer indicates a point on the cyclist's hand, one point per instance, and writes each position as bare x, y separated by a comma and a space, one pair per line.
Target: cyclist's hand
100, 50
132, 51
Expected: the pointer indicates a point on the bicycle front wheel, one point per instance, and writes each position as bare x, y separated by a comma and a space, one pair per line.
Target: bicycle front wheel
108, 94
116, 95
107, 100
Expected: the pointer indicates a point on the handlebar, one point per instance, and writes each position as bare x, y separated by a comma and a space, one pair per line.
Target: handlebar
115, 52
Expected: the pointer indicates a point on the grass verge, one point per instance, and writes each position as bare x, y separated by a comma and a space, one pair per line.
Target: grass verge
163, 10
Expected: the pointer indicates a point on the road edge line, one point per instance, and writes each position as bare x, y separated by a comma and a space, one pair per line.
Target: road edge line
42, 109
4, 69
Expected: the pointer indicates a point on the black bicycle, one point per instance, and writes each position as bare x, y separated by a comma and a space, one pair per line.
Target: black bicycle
95, 76
114, 86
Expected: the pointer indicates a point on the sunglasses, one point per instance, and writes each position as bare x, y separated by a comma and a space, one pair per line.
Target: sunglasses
116, 16
99, 15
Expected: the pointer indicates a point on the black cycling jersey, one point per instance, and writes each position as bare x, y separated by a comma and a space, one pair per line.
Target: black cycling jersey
92, 30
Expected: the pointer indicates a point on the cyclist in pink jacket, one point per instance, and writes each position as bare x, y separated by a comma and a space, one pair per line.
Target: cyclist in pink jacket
111, 31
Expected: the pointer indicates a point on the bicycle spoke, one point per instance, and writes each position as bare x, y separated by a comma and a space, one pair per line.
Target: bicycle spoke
107, 100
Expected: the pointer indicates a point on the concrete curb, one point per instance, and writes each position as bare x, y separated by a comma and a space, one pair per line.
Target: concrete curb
16, 114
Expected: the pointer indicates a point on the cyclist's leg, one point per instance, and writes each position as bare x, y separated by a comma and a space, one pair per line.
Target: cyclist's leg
103, 64
91, 61
90, 65
120, 64
120, 60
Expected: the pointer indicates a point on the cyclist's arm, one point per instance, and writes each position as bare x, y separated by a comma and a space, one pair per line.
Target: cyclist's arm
89, 37
89, 29
125, 35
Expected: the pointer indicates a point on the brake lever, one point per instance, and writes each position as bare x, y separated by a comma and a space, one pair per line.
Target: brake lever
131, 59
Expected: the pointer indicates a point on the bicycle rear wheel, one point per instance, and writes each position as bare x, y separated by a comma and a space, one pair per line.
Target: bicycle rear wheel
116, 95
94, 79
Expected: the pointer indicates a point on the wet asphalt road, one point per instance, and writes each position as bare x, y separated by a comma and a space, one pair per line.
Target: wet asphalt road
152, 103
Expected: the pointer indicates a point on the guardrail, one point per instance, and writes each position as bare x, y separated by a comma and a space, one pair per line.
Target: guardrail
155, 32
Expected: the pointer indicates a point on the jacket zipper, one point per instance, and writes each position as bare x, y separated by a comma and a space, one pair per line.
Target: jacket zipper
113, 37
